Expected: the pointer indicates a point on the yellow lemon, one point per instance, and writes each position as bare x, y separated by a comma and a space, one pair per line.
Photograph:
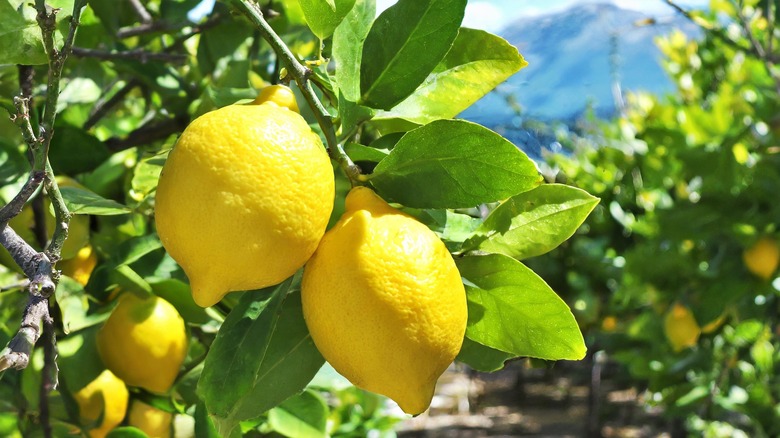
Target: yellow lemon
106, 396
155, 423
81, 266
384, 301
609, 324
762, 258
681, 328
244, 197
144, 342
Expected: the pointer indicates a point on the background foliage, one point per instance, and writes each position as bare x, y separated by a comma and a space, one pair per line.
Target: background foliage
688, 183
139, 72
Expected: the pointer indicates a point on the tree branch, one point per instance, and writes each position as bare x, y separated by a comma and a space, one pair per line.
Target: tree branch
37, 266
141, 11
301, 75
150, 132
136, 54
758, 48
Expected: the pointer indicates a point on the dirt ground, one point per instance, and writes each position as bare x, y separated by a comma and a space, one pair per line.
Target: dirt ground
520, 401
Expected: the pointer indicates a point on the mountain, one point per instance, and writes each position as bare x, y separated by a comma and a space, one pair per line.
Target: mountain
571, 55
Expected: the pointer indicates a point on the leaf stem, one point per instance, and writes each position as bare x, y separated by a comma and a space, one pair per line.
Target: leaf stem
301, 75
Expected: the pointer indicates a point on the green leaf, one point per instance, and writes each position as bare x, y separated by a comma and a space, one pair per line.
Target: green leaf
302, 416
145, 177
79, 359
453, 164
358, 152
404, 45
348, 47
127, 279
178, 293
263, 354
323, 16
133, 249
534, 222
74, 151
81, 201
73, 305
477, 62
126, 432
481, 357
512, 309
20, 36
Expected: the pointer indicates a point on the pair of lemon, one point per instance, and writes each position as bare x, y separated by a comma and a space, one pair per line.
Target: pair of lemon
243, 203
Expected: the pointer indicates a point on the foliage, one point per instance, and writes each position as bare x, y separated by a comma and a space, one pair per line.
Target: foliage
688, 183
142, 73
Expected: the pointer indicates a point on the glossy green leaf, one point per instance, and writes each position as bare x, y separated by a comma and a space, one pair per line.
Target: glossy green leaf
263, 354
512, 309
323, 16
81, 201
477, 62
126, 432
304, 415
133, 249
73, 305
453, 164
534, 222
74, 151
481, 357
20, 36
404, 45
145, 177
358, 152
179, 294
348, 47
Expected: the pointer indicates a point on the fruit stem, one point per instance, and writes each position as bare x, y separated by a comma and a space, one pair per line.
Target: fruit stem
301, 74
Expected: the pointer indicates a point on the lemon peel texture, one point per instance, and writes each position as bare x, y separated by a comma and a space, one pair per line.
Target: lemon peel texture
384, 301
244, 197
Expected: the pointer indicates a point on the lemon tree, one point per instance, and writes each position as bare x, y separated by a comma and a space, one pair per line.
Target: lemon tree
281, 219
675, 278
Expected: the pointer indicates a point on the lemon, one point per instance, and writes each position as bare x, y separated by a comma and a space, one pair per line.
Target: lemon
384, 301
144, 342
106, 396
244, 197
81, 266
681, 328
155, 423
762, 258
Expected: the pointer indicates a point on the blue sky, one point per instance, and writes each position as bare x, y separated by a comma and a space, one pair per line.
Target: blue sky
493, 15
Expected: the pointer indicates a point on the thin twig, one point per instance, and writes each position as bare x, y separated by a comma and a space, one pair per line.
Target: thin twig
141, 11
150, 132
21, 285
758, 48
37, 266
147, 28
301, 75
49, 379
102, 107
715, 31
141, 55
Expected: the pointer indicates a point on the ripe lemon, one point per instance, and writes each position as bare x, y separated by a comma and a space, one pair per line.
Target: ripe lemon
155, 423
681, 328
245, 196
81, 266
144, 342
384, 301
762, 258
106, 396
